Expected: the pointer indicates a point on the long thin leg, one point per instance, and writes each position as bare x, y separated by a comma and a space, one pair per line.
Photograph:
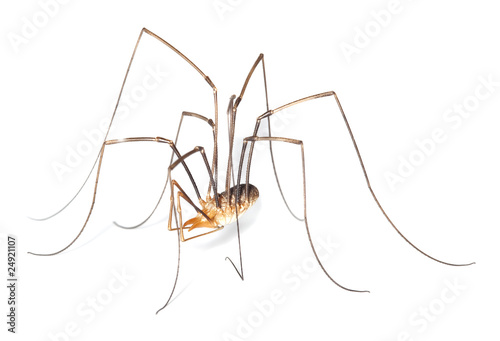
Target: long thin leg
177, 272
254, 139
101, 153
180, 234
276, 174
188, 114
207, 79
260, 60
332, 93
105, 136
232, 109
180, 228
231, 114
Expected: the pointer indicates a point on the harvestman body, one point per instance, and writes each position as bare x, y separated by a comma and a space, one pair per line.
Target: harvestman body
220, 209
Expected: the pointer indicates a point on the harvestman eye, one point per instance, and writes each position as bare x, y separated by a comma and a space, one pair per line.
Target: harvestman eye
219, 209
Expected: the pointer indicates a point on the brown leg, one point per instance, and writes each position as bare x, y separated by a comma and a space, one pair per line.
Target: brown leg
101, 154
327, 94
207, 79
183, 195
188, 114
254, 139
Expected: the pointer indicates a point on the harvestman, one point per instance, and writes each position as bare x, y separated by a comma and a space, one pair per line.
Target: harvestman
220, 209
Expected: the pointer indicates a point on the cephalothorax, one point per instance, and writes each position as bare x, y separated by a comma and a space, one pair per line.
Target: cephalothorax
221, 208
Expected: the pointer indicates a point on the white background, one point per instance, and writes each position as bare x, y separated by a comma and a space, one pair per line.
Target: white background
426, 59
